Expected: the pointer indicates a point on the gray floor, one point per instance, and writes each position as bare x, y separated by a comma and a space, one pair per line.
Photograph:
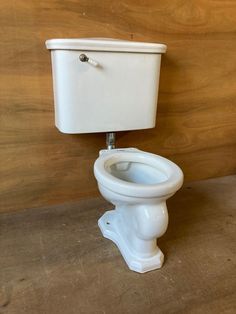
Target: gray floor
54, 260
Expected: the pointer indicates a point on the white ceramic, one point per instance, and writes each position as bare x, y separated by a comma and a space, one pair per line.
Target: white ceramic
116, 90
138, 184
107, 85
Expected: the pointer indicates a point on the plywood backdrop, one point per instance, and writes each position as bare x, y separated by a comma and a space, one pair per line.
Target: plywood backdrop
197, 101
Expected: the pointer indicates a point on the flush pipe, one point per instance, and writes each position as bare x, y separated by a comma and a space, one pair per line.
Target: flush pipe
110, 140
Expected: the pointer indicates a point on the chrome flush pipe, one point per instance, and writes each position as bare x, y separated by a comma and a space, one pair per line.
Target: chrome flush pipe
110, 140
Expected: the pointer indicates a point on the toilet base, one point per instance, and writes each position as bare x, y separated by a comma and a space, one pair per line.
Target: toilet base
109, 229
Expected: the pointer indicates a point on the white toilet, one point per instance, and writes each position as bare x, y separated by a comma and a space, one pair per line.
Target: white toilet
107, 85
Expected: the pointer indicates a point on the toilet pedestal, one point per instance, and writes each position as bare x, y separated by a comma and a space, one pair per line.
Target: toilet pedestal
110, 229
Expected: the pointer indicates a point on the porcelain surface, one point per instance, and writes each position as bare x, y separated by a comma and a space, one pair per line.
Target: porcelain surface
138, 184
116, 89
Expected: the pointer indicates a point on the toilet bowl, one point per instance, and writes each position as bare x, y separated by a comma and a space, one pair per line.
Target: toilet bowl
138, 184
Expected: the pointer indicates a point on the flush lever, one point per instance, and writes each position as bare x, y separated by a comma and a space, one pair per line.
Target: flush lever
84, 58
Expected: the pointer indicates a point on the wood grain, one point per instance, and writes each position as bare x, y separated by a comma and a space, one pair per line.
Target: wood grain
196, 110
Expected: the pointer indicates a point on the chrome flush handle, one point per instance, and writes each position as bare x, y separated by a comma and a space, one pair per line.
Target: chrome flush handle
84, 58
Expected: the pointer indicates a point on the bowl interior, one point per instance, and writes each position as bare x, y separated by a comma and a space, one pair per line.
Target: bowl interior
136, 172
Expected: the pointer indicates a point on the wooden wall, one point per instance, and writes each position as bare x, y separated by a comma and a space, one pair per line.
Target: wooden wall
197, 101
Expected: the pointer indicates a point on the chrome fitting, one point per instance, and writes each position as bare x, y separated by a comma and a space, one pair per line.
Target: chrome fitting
110, 140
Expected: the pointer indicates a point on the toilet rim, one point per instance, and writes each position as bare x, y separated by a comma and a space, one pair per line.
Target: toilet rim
173, 182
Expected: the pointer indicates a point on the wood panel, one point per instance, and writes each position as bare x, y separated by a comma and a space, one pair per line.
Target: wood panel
196, 110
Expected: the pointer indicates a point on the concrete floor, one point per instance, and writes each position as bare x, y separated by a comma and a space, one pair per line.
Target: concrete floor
55, 261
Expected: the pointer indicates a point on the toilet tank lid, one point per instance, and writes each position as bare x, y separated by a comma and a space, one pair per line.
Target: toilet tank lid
104, 44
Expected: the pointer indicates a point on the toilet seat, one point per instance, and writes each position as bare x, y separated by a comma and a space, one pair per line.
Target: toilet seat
171, 180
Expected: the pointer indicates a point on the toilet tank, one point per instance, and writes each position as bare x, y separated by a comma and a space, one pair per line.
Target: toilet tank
112, 87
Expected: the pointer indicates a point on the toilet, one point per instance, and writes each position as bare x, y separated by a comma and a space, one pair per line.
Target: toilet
108, 85
138, 184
